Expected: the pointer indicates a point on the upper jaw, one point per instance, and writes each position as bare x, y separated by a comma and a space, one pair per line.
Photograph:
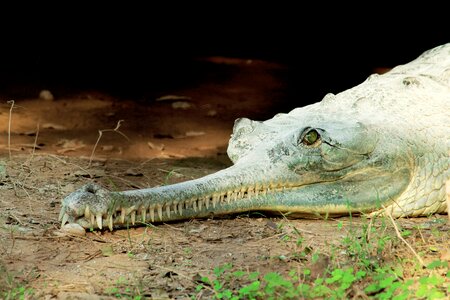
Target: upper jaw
92, 206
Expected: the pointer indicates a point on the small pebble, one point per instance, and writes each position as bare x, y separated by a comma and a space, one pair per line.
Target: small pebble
73, 229
46, 95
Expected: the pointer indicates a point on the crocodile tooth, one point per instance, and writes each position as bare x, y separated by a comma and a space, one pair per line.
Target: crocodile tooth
133, 217
206, 202
61, 213
168, 210
110, 223
159, 208
229, 196
214, 201
249, 193
65, 218
152, 213
180, 208
87, 212
92, 220
122, 215
99, 221
174, 207
143, 213
200, 204
194, 205
221, 198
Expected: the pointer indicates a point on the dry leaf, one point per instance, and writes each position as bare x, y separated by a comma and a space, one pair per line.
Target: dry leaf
445, 255
53, 126
107, 250
172, 98
133, 172
194, 133
181, 105
153, 146
107, 148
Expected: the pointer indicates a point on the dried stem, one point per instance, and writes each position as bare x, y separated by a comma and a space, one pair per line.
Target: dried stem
100, 133
9, 126
402, 239
35, 143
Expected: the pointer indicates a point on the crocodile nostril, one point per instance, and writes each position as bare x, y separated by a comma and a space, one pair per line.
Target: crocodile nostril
90, 189
243, 126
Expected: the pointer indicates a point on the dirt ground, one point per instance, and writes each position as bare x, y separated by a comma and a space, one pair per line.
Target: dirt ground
50, 146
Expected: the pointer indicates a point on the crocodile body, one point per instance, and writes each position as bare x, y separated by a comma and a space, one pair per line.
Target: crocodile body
381, 146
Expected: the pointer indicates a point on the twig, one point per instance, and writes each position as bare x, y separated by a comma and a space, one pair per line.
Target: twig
258, 242
100, 133
173, 227
9, 126
368, 229
67, 163
35, 142
11, 233
402, 239
12, 216
128, 182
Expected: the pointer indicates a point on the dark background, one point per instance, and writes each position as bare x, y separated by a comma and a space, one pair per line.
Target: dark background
135, 54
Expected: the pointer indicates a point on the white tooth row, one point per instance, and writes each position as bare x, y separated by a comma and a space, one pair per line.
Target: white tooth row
175, 207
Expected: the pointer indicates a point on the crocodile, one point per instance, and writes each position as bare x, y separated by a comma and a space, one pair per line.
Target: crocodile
380, 147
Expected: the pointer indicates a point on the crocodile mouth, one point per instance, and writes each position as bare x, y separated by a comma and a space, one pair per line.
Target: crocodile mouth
338, 193
123, 213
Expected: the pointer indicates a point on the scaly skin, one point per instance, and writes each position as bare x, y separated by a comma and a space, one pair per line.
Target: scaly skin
382, 146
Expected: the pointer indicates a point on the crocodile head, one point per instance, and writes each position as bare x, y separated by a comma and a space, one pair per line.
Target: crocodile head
307, 162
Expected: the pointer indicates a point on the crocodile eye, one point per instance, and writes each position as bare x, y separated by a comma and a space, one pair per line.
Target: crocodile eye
311, 137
